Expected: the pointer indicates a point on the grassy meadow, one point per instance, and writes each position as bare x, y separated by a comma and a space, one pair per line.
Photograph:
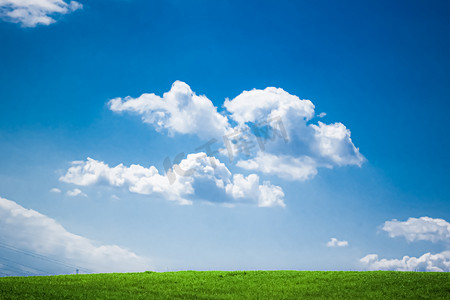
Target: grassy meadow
231, 285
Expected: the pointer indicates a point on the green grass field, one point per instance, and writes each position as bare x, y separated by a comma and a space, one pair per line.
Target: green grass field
231, 285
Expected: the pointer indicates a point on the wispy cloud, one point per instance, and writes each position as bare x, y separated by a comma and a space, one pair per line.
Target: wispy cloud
334, 242
30, 13
284, 166
76, 192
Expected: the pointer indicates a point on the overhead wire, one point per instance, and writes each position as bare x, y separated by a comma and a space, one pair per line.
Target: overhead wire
23, 265
43, 257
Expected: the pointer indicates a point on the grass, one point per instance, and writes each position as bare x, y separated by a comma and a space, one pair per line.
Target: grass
231, 285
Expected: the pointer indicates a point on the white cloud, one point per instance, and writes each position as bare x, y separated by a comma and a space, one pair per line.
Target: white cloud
303, 147
334, 242
179, 111
55, 190
200, 173
30, 13
284, 166
270, 195
76, 192
137, 178
415, 229
266, 195
322, 114
30, 230
439, 262
333, 142
259, 105
296, 155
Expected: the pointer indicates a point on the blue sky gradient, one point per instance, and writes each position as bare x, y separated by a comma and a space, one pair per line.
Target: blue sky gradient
379, 67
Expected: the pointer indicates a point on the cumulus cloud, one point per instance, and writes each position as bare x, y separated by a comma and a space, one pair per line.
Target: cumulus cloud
333, 142
415, 229
30, 13
266, 195
258, 105
55, 190
30, 230
428, 262
194, 174
178, 111
289, 146
76, 192
334, 242
304, 147
137, 178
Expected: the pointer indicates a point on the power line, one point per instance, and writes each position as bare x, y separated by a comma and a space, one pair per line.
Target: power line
15, 270
21, 264
43, 257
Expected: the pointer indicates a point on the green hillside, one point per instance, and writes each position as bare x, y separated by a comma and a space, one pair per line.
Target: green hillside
230, 285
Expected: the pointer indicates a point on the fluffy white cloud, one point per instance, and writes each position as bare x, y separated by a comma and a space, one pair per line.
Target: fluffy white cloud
334, 242
333, 142
76, 192
266, 195
289, 147
30, 230
195, 173
300, 147
258, 105
55, 190
284, 166
30, 13
415, 229
439, 262
178, 111
137, 178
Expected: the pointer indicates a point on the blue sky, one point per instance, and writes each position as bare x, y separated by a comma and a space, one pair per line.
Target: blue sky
379, 69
